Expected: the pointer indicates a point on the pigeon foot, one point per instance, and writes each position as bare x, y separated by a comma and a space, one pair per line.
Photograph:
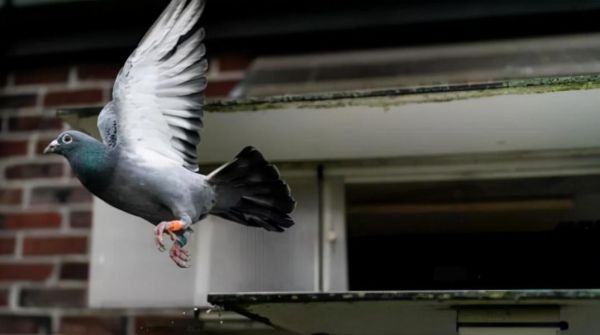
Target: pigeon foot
179, 255
169, 227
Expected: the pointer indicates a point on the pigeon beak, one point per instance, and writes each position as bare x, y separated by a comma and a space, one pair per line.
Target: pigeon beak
51, 148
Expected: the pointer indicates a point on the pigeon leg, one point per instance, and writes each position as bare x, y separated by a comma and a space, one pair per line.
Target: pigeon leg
159, 230
169, 227
179, 255
179, 231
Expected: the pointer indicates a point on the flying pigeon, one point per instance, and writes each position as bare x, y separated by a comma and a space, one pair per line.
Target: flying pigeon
146, 162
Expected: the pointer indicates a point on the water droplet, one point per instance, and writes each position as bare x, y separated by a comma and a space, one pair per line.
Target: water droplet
220, 322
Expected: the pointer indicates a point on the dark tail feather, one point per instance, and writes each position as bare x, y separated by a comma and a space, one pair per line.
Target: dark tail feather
250, 191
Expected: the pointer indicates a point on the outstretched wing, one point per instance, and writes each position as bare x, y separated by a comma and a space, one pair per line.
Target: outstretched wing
159, 93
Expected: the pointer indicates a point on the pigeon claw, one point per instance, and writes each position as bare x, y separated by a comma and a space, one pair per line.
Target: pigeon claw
179, 255
169, 227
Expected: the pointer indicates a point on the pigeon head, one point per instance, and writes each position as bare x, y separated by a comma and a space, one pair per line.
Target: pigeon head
88, 157
69, 143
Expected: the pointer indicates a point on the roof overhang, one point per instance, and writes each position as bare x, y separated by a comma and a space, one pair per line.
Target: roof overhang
502, 117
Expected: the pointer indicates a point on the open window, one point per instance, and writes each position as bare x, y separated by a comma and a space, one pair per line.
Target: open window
518, 233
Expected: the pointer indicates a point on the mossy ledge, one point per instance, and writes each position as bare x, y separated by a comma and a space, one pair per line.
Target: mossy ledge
394, 97
501, 296
386, 98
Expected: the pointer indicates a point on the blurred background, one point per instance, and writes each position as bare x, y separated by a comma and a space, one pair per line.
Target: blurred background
64, 55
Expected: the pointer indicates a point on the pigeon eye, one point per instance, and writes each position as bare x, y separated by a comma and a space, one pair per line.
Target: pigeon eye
67, 139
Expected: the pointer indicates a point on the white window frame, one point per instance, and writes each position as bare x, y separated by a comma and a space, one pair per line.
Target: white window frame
576, 162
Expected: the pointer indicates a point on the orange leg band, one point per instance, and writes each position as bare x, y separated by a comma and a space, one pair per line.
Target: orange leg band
176, 225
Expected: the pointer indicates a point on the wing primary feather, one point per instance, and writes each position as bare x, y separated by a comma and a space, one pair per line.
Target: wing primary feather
198, 66
162, 26
187, 135
192, 91
192, 124
184, 113
185, 148
194, 64
185, 22
186, 47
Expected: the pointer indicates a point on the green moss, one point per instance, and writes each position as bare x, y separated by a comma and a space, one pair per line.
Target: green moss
393, 97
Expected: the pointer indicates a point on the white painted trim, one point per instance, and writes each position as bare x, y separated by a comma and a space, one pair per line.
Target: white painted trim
335, 266
472, 167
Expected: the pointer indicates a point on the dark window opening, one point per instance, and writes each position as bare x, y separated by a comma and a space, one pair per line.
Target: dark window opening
534, 233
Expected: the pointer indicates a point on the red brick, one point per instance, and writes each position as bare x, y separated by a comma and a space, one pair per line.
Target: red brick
160, 325
42, 75
92, 325
60, 195
39, 246
98, 71
29, 123
12, 148
81, 219
57, 297
234, 62
12, 324
7, 245
17, 100
3, 298
79, 97
74, 271
33, 170
10, 196
220, 88
30, 272
30, 220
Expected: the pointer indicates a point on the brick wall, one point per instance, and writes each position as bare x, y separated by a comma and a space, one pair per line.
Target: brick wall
45, 214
